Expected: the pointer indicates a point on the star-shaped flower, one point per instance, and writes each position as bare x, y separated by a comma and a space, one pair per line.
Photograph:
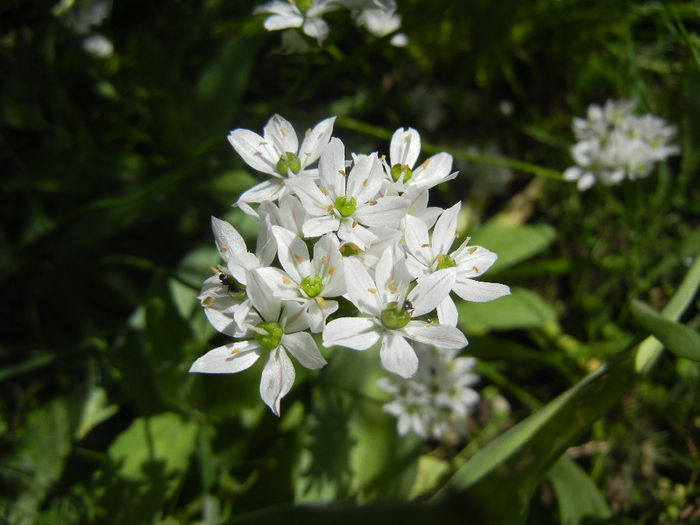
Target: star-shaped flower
346, 202
390, 311
427, 256
272, 330
278, 154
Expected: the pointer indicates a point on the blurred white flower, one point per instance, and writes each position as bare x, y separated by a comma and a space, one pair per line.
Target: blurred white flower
98, 46
298, 13
438, 399
614, 144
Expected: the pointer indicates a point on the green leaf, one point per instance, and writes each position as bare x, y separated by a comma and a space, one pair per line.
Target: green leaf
578, 496
513, 244
165, 439
679, 339
31, 470
650, 349
95, 411
500, 479
521, 309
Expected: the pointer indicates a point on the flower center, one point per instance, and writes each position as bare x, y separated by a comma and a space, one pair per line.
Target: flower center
312, 285
304, 5
271, 338
398, 169
345, 206
349, 249
445, 261
288, 161
394, 316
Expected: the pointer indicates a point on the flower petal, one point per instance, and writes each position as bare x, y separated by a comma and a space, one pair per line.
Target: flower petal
445, 230
281, 133
386, 211
405, 147
358, 333
362, 289
292, 253
331, 167
479, 291
314, 142
228, 240
263, 298
277, 379
228, 359
268, 190
253, 150
431, 291
303, 347
447, 312
439, 335
397, 355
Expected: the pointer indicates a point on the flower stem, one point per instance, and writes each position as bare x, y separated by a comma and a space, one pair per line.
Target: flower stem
431, 149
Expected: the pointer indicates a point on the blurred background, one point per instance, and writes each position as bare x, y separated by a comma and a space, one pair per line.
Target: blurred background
113, 150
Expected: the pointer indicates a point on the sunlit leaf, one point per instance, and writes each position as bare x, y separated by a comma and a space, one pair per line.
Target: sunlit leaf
679, 339
578, 496
521, 309
513, 244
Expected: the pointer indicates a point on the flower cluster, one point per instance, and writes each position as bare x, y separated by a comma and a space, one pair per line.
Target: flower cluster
379, 17
438, 399
358, 232
614, 144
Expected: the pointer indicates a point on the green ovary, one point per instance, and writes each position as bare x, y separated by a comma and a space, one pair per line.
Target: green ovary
445, 261
288, 161
345, 206
312, 285
398, 169
304, 5
271, 338
394, 316
349, 249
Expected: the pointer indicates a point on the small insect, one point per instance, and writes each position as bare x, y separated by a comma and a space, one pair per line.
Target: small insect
229, 283
407, 306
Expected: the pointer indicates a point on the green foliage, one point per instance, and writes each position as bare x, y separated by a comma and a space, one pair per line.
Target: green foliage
112, 167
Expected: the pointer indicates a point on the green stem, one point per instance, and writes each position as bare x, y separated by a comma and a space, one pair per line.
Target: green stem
431, 149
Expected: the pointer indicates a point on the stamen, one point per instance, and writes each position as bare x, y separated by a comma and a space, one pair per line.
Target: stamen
331, 270
372, 203
307, 132
235, 351
354, 223
342, 172
286, 281
471, 250
330, 207
475, 269
372, 290
425, 164
364, 183
425, 245
321, 302
324, 190
223, 250
297, 258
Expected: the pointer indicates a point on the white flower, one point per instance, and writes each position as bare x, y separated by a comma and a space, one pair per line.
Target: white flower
427, 256
300, 13
403, 154
380, 20
614, 145
225, 304
390, 311
438, 399
98, 46
307, 281
269, 329
346, 203
278, 154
